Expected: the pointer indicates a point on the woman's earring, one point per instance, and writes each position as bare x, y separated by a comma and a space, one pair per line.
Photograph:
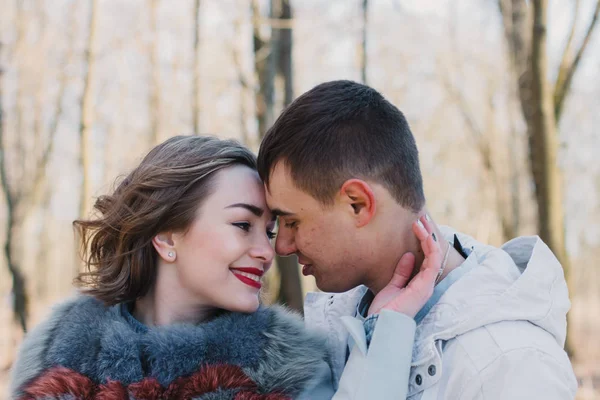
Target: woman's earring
171, 254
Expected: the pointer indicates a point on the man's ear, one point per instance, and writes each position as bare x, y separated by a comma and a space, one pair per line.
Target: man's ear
165, 246
359, 196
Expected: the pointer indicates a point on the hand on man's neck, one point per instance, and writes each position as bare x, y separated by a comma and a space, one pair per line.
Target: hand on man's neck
402, 240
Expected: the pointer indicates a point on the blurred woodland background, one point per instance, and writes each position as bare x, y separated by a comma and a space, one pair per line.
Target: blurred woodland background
503, 97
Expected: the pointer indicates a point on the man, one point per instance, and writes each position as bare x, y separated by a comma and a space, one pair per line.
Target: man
341, 171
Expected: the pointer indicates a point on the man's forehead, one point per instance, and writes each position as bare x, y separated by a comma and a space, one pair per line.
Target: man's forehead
281, 192
280, 182
274, 203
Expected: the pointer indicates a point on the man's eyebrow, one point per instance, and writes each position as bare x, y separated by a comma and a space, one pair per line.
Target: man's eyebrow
280, 213
250, 207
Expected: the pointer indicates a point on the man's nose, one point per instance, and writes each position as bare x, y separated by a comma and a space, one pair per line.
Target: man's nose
285, 244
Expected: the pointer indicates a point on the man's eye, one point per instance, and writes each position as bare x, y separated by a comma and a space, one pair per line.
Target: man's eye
290, 224
243, 225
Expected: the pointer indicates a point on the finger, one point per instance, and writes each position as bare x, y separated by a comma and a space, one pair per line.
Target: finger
415, 295
421, 234
433, 247
427, 224
419, 230
403, 270
422, 284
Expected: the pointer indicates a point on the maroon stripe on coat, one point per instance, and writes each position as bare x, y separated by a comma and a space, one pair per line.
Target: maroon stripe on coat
59, 381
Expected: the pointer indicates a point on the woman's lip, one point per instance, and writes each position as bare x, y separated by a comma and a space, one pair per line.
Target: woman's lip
248, 281
250, 270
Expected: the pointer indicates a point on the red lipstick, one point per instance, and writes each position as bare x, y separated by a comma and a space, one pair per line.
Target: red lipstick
248, 281
250, 270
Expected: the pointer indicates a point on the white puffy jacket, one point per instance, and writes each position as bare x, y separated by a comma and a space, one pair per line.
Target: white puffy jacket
496, 333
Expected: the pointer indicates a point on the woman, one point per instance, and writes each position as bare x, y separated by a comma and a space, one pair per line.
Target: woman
170, 303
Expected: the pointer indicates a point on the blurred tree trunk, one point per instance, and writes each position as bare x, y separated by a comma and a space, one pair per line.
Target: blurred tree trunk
273, 58
290, 288
363, 47
544, 140
24, 178
541, 103
264, 66
245, 86
154, 98
263, 91
18, 280
87, 113
196, 72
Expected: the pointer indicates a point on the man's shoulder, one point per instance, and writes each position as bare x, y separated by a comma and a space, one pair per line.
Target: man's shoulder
487, 344
484, 359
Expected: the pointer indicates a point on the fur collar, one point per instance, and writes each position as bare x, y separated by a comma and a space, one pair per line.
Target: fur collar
270, 346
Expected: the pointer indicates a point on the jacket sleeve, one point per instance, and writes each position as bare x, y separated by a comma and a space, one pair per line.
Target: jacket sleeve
522, 374
382, 370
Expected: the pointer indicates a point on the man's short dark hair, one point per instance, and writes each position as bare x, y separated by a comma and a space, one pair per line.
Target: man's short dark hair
341, 130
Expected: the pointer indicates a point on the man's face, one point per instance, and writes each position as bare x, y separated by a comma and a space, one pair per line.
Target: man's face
323, 237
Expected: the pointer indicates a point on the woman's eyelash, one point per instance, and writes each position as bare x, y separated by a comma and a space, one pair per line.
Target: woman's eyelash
245, 226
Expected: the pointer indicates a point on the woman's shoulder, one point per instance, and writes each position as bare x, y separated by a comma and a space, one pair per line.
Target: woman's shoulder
70, 318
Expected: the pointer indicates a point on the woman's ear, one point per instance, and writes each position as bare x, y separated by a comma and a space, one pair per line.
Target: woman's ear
165, 247
359, 197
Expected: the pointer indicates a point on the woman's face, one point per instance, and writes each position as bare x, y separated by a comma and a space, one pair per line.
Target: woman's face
221, 258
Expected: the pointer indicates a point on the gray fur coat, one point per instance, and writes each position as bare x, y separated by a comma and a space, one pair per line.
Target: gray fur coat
86, 350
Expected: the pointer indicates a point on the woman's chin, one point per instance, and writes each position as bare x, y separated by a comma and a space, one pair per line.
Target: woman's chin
247, 307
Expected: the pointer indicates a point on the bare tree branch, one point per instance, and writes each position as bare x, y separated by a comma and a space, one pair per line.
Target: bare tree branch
566, 58
567, 69
39, 176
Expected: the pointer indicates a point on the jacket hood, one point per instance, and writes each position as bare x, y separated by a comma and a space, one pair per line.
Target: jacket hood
522, 280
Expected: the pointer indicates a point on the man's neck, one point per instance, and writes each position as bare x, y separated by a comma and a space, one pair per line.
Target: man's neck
403, 241
399, 242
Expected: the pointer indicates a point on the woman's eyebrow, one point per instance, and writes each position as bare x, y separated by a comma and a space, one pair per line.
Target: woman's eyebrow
256, 210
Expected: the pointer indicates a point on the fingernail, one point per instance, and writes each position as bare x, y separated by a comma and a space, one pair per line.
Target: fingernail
420, 224
427, 217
